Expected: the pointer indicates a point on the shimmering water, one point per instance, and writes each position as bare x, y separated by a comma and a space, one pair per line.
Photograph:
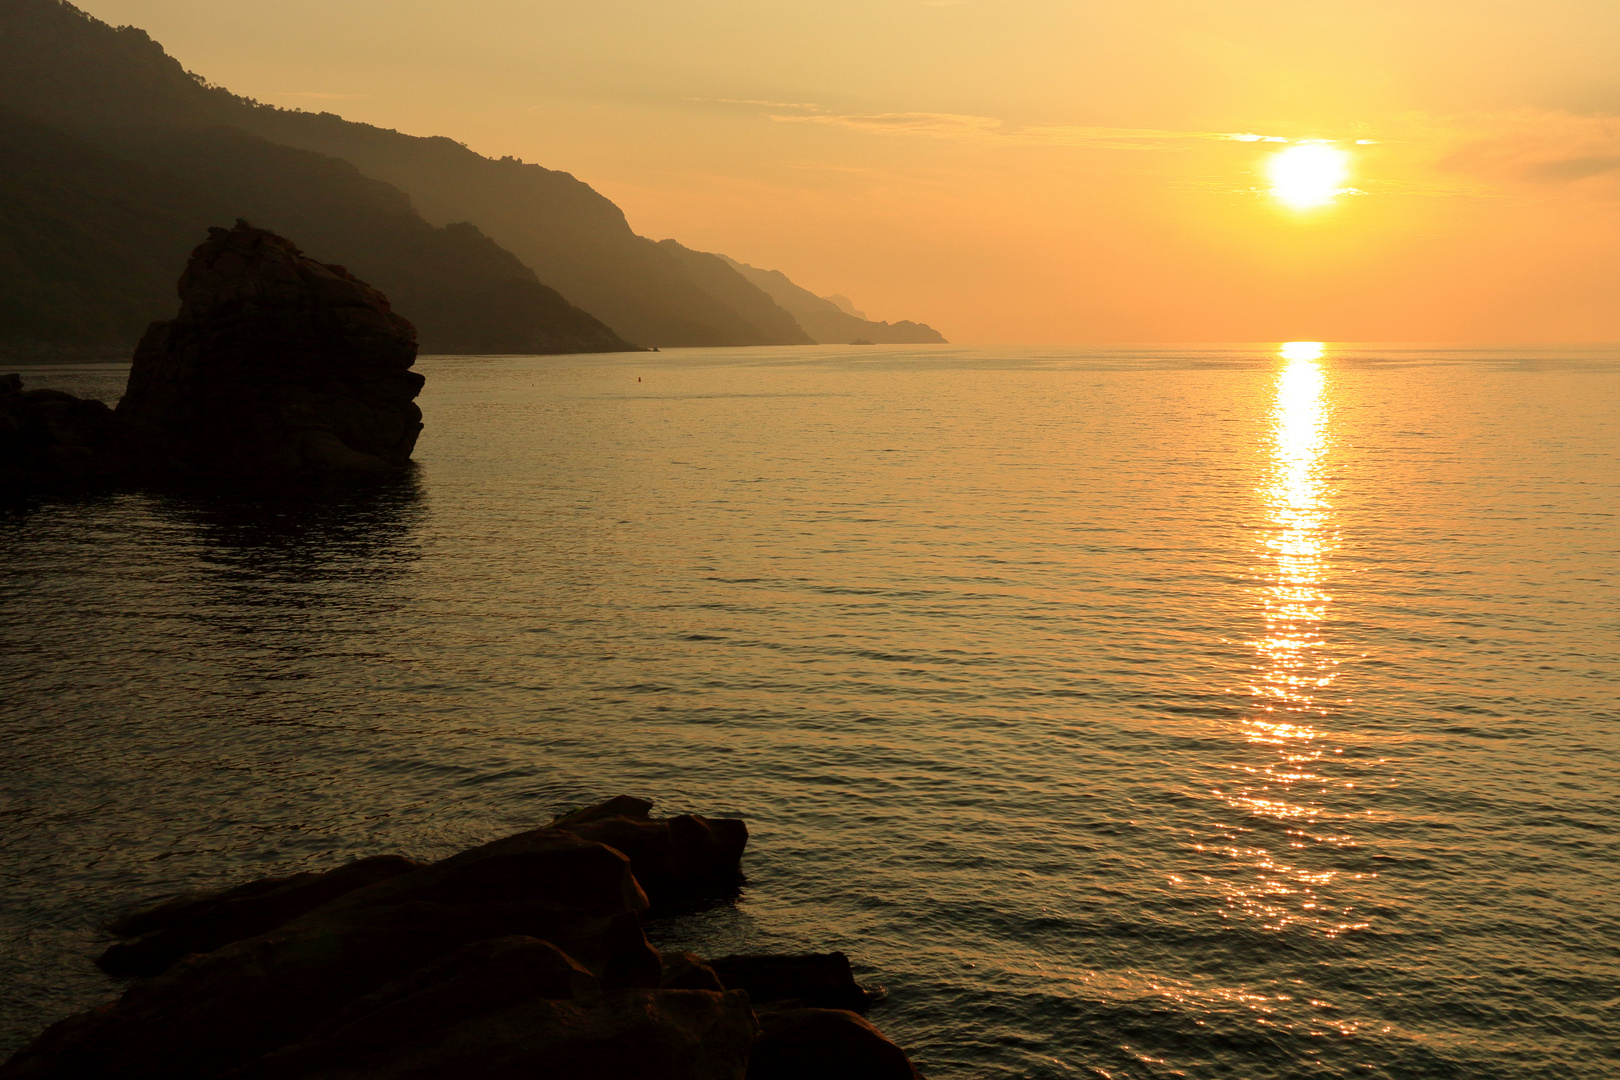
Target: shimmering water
1139, 714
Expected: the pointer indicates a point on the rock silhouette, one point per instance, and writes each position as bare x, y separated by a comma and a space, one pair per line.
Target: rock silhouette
525, 956
813, 1044
675, 859
50, 437
813, 980
276, 366
200, 924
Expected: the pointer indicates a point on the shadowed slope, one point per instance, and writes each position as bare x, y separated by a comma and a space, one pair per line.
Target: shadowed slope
96, 210
827, 321
61, 65
88, 243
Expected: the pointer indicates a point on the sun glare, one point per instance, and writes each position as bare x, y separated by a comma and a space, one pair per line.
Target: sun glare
1301, 350
1308, 175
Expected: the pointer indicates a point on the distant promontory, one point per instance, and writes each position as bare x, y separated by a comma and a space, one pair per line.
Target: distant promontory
116, 157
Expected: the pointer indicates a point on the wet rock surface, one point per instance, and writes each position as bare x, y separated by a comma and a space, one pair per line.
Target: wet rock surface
275, 366
521, 957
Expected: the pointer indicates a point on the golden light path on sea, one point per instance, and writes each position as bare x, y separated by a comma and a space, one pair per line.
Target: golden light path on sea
1297, 540
1293, 671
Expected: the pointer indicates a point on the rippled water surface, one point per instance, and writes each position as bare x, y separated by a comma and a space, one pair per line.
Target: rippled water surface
1141, 714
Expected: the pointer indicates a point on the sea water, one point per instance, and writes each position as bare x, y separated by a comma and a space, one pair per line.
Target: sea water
1126, 713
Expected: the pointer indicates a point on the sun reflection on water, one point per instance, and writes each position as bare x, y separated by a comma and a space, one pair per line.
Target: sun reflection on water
1293, 671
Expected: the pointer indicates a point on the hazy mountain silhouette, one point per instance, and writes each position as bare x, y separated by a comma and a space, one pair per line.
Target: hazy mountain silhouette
464, 292
63, 66
90, 243
830, 322
844, 304
99, 214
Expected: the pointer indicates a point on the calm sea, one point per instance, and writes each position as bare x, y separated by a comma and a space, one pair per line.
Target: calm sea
1126, 714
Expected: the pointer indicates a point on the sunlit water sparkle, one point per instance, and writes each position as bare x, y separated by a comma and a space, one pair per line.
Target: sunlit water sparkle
1148, 713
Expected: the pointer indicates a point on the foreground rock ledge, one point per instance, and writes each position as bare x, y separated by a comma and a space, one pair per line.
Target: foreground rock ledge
521, 958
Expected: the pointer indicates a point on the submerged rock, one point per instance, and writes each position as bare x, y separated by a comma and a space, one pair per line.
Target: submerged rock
50, 437
276, 366
522, 957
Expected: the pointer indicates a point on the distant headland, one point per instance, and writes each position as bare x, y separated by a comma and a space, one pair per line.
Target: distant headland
117, 158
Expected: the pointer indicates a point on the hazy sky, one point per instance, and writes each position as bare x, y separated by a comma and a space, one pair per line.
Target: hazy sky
1026, 170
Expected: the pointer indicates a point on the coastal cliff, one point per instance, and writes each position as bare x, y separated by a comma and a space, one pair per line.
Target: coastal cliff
526, 235
829, 322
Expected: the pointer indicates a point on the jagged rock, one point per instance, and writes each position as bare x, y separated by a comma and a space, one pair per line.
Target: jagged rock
674, 859
203, 923
686, 971
469, 983
212, 1013
815, 1044
276, 366
51, 437
644, 1035
540, 866
522, 957
816, 980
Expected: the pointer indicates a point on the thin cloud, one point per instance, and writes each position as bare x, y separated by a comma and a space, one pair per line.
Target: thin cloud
761, 104
968, 127
320, 96
1539, 148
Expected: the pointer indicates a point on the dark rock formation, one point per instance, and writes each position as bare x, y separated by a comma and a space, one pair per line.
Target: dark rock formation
523, 957
50, 437
676, 859
814, 980
814, 1044
276, 366
200, 924
687, 971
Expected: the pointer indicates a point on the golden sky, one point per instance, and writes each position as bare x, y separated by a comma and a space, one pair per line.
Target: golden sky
1026, 170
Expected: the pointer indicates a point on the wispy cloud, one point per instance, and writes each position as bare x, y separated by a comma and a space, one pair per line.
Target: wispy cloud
1539, 147
968, 127
320, 96
761, 104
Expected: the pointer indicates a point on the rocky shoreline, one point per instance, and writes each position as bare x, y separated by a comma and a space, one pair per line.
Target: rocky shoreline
524, 957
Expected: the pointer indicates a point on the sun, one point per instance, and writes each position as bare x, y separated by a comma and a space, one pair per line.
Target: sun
1294, 351
1308, 175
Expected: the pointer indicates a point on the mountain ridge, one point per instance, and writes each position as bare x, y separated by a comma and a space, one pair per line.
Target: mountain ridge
65, 67
829, 322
